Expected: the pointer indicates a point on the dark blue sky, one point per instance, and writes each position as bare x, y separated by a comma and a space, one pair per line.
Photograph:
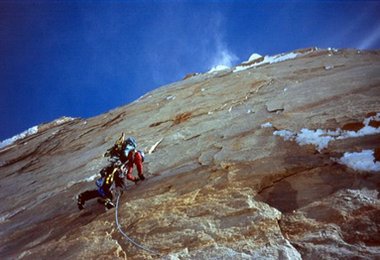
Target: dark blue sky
83, 58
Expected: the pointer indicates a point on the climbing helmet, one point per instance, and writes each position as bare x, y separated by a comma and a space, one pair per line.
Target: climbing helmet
131, 141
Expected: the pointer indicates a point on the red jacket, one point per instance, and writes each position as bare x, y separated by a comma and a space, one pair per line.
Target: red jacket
134, 157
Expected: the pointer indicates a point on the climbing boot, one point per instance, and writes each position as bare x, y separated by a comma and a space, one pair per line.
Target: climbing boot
142, 177
136, 180
109, 204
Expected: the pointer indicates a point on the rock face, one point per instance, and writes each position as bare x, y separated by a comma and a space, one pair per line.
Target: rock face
220, 184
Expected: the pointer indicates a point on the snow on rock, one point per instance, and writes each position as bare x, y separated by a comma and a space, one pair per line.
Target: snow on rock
320, 138
91, 178
218, 68
361, 161
63, 119
24, 134
267, 60
242, 67
281, 57
366, 130
332, 49
32, 130
254, 56
286, 134
266, 125
371, 118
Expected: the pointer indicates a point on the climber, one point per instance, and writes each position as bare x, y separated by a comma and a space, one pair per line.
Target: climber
124, 151
130, 157
105, 183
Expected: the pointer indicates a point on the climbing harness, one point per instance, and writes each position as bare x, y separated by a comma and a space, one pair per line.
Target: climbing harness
125, 235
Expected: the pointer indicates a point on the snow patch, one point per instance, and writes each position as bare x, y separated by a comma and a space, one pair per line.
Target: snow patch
321, 138
242, 67
286, 134
268, 60
361, 161
266, 125
332, 49
369, 119
63, 119
366, 130
281, 57
254, 56
91, 178
31, 131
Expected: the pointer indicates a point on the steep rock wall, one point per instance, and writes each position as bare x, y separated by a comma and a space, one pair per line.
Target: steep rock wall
220, 184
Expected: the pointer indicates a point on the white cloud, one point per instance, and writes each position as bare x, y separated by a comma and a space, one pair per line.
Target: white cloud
221, 55
224, 57
218, 68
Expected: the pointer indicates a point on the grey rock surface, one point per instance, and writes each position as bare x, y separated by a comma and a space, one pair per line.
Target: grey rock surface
219, 185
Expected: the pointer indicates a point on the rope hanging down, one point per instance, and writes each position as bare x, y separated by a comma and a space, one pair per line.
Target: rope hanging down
125, 235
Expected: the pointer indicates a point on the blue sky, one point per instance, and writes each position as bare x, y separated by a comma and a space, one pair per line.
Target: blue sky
83, 58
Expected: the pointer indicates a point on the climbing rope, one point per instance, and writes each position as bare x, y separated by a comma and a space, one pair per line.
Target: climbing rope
125, 235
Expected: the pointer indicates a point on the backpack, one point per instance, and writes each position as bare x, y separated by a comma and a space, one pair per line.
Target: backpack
142, 155
107, 176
